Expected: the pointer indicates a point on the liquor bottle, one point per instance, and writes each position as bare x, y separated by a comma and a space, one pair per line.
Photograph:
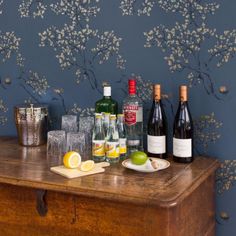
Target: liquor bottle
183, 130
112, 142
106, 104
122, 136
133, 114
98, 140
157, 126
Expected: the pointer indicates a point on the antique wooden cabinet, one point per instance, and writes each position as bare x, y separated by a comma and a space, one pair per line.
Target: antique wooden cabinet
178, 201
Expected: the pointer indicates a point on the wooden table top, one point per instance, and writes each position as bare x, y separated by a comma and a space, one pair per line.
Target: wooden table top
29, 167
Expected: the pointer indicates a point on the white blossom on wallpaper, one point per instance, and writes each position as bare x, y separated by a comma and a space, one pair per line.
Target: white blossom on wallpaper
206, 132
226, 175
185, 44
3, 109
9, 46
35, 8
1, 3
38, 83
79, 11
131, 7
77, 45
194, 11
77, 110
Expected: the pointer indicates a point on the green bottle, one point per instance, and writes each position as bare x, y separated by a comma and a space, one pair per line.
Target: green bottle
106, 104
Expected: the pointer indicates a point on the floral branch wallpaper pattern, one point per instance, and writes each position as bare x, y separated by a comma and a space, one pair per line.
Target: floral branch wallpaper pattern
61, 52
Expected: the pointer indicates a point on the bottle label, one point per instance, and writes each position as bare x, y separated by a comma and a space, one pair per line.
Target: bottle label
112, 149
182, 147
133, 114
123, 145
98, 148
156, 144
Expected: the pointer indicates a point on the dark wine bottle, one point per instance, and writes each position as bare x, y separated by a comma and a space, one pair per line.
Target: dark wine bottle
183, 130
157, 126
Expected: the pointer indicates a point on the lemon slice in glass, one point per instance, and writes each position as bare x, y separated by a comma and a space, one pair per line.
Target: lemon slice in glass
87, 165
72, 160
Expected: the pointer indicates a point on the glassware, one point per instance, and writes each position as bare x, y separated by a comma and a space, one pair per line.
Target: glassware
75, 141
86, 124
56, 142
69, 123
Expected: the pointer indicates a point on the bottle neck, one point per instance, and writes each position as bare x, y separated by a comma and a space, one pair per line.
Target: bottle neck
98, 122
106, 97
112, 123
132, 94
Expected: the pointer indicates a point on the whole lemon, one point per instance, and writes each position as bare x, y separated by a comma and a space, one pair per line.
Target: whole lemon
138, 158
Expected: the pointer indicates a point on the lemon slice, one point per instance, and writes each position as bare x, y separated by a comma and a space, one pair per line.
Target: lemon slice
72, 160
87, 165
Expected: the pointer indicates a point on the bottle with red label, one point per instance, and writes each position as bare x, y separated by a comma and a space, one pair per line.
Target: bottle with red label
133, 115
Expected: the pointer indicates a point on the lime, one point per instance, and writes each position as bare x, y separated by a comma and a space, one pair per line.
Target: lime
138, 158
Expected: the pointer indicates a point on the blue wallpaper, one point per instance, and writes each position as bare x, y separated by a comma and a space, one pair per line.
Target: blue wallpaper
61, 52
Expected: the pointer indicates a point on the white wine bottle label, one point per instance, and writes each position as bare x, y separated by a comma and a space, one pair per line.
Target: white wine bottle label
156, 144
112, 149
123, 145
182, 147
98, 148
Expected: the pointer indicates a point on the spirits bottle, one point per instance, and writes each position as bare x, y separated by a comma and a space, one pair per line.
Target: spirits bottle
157, 126
98, 140
183, 130
133, 114
106, 104
122, 136
112, 142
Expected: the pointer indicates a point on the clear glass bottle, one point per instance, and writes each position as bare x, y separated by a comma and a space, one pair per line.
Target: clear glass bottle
106, 104
133, 114
106, 122
122, 136
98, 140
112, 142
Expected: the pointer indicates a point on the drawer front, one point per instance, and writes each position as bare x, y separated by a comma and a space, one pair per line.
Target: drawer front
75, 215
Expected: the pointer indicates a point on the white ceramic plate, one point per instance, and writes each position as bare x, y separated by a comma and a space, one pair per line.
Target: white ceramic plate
147, 167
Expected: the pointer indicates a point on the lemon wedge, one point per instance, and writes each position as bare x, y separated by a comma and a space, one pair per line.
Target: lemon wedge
72, 160
87, 165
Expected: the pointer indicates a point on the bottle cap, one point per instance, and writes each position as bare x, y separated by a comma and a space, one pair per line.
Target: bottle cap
132, 86
98, 115
107, 91
112, 117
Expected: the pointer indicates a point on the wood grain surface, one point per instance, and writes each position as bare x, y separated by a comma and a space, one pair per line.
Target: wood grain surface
30, 167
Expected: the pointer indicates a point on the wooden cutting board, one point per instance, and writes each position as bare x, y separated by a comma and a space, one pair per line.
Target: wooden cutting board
74, 173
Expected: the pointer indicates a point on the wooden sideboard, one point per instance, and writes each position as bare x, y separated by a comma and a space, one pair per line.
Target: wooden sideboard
178, 201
